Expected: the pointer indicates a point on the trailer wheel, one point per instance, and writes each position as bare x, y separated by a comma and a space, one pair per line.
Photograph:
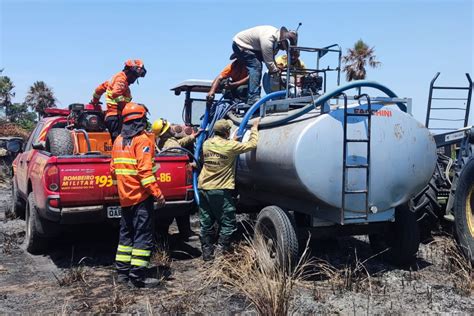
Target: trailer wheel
38, 230
59, 142
275, 226
400, 243
464, 210
18, 205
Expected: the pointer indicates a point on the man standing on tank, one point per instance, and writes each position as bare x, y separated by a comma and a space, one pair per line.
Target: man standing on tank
257, 44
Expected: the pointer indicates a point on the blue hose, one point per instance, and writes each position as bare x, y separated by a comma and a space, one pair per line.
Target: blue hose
320, 101
197, 151
255, 107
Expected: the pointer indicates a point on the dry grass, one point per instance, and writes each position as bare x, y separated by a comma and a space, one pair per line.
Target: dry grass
161, 259
459, 267
353, 276
254, 274
71, 276
120, 299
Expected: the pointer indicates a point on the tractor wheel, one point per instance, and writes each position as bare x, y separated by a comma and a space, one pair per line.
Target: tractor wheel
428, 211
275, 226
17, 203
400, 243
38, 230
464, 210
59, 142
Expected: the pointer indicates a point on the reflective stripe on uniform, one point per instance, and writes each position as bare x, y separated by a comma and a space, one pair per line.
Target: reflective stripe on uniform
154, 169
126, 171
123, 248
148, 180
129, 161
120, 98
123, 258
141, 252
139, 262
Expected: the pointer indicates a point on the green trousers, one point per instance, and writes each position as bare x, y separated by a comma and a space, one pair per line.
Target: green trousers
217, 206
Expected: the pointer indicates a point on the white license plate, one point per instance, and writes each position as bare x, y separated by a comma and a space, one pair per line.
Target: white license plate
114, 212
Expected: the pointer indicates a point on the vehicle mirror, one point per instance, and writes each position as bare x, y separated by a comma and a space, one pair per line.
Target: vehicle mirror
38, 146
14, 146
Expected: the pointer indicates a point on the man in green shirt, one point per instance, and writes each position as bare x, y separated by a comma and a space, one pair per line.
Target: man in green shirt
216, 183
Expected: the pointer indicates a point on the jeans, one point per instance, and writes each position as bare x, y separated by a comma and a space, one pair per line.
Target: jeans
253, 61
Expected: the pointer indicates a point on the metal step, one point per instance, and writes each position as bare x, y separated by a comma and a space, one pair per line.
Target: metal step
357, 166
355, 191
357, 140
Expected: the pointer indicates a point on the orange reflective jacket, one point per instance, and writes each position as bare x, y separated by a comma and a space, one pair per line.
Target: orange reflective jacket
117, 93
133, 168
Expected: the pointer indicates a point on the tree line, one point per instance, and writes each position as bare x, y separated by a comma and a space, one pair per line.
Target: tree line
25, 114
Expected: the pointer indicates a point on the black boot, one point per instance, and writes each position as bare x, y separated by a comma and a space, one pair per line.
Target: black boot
224, 245
207, 248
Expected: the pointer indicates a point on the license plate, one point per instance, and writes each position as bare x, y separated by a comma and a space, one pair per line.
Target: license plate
114, 212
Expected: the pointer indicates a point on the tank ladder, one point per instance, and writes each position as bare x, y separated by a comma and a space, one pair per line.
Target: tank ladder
365, 166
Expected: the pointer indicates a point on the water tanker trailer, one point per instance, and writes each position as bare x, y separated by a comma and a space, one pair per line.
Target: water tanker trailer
328, 164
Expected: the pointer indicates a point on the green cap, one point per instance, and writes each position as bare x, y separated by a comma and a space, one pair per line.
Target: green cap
222, 126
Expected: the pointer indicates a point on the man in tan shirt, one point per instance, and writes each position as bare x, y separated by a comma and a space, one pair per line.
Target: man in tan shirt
216, 183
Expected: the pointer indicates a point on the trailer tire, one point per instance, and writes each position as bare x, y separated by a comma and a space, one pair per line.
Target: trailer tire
59, 142
18, 205
464, 210
275, 225
400, 244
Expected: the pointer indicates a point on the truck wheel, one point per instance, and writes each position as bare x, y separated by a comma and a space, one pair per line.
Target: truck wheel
400, 243
35, 242
275, 226
464, 210
18, 205
59, 142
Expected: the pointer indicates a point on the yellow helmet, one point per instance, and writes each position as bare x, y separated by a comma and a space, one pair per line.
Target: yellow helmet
160, 127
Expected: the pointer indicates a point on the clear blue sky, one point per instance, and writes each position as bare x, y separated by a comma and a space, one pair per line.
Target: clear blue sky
74, 45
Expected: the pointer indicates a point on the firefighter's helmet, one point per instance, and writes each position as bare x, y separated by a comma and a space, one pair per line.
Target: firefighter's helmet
133, 111
160, 126
136, 66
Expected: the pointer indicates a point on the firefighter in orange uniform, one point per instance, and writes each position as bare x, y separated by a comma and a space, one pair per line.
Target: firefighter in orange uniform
117, 94
132, 167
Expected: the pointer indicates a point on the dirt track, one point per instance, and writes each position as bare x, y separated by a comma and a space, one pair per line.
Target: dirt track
57, 283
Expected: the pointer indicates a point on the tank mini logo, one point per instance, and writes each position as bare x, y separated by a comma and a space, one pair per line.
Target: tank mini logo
146, 149
380, 112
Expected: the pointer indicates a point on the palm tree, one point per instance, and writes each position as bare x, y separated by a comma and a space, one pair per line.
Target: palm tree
356, 60
40, 97
6, 93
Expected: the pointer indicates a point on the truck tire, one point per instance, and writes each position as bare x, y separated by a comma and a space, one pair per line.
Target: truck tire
35, 242
59, 142
18, 205
276, 227
464, 210
38, 230
400, 243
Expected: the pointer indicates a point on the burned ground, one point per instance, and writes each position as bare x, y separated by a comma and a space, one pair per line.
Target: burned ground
77, 275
